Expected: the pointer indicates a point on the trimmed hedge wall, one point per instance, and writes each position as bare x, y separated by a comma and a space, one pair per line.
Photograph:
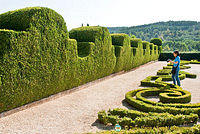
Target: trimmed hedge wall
33, 62
124, 56
39, 57
132, 52
101, 61
184, 56
146, 53
137, 50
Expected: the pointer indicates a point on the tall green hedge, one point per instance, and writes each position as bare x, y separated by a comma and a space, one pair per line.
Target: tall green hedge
33, 62
123, 50
137, 47
101, 60
39, 57
146, 47
143, 52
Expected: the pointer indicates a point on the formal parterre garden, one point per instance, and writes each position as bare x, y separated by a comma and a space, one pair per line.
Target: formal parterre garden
168, 115
39, 57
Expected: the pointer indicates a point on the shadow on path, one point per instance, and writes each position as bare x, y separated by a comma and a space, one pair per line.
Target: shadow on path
125, 104
102, 126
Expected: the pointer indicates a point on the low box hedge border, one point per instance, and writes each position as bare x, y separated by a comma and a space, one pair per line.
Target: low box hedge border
132, 118
181, 67
156, 130
146, 107
166, 95
174, 102
164, 75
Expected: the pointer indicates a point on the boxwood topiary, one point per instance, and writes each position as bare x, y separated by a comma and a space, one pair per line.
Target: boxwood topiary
133, 118
39, 57
122, 45
33, 55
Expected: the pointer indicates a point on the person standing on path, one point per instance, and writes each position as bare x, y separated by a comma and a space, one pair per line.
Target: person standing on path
176, 68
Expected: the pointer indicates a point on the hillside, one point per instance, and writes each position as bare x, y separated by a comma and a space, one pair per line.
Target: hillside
177, 35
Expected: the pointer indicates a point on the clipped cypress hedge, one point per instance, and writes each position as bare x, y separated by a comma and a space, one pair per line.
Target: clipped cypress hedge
33, 62
143, 51
39, 57
137, 50
101, 61
146, 47
132, 52
124, 56
40, 61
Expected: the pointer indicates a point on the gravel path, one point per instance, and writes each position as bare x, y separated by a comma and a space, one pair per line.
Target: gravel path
193, 85
77, 112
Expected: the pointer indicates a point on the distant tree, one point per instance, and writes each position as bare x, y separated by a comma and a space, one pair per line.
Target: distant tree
131, 35
156, 41
88, 24
82, 24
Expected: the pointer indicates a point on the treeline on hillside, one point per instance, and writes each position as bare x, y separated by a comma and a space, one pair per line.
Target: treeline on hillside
176, 35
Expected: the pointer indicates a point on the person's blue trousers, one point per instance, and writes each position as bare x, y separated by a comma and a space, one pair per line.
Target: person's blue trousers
175, 77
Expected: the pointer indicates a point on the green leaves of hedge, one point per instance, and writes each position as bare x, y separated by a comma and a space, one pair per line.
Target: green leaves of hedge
39, 57
132, 118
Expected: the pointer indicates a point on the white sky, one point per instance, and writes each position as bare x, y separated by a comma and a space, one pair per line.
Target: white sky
113, 12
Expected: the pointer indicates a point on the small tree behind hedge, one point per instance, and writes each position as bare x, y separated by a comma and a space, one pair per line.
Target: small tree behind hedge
156, 41
132, 36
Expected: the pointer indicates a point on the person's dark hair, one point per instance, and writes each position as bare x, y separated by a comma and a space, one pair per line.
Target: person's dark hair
177, 53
